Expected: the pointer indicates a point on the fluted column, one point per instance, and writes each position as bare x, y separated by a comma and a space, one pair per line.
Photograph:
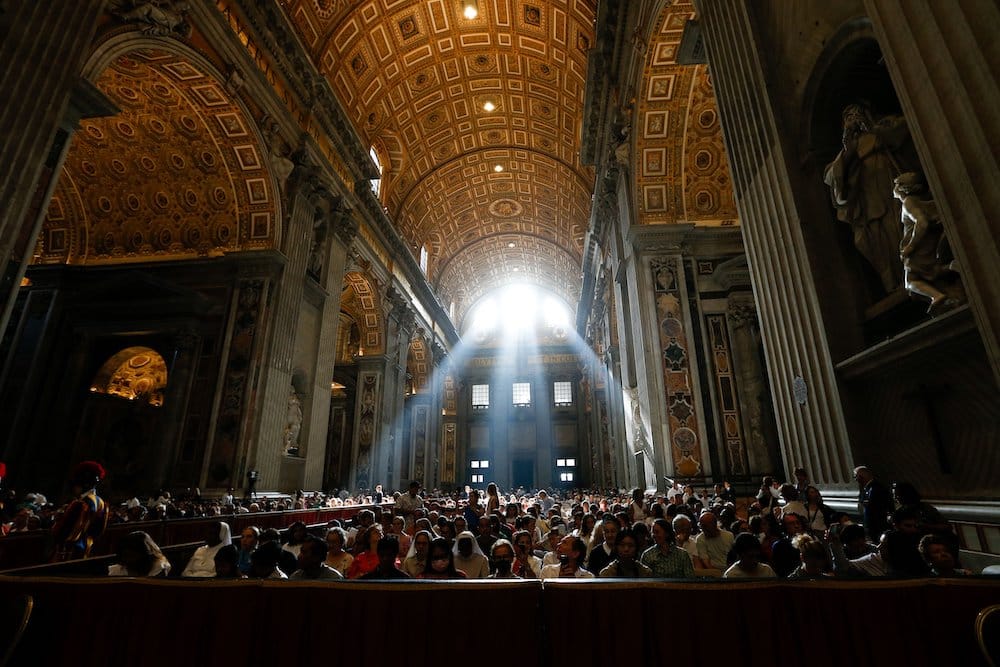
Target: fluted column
42, 49
804, 388
945, 64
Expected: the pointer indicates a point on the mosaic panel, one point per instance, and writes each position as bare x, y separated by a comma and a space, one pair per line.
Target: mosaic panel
727, 398
676, 360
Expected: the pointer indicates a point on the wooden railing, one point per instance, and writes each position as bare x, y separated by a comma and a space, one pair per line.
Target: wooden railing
91, 621
34, 548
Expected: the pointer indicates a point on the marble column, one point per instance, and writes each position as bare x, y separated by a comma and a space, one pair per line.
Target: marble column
331, 277
309, 203
401, 324
43, 46
367, 417
759, 431
944, 63
230, 451
803, 384
180, 375
424, 462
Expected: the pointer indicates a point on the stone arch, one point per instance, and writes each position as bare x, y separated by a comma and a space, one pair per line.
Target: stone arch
362, 301
181, 172
848, 71
134, 373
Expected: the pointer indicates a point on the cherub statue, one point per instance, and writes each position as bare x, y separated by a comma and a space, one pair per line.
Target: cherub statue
928, 266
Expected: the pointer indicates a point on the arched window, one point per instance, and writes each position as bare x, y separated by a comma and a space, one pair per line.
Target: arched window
376, 182
423, 258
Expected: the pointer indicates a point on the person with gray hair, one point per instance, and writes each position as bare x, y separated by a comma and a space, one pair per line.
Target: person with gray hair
874, 503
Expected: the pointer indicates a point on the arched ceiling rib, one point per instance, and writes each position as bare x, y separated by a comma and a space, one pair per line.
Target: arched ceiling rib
178, 173
421, 72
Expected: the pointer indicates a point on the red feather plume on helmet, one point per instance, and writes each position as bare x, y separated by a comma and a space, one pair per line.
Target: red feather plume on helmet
88, 470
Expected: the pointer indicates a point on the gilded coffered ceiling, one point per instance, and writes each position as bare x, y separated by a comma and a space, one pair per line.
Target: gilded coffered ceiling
681, 171
477, 124
178, 173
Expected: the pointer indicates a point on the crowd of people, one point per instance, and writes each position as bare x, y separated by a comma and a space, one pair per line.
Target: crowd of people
785, 531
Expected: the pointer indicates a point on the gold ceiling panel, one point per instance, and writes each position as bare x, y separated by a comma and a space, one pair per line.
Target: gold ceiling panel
466, 200
682, 174
415, 76
178, 173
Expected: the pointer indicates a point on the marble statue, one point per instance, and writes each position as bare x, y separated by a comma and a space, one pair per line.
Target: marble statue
929, 269
293, 422
861, 187
161, 18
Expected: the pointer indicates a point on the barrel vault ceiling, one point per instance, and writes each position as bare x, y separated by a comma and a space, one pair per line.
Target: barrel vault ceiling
497, 194
476, 122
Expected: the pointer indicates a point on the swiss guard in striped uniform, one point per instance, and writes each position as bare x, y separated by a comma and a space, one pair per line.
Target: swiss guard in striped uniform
85, 518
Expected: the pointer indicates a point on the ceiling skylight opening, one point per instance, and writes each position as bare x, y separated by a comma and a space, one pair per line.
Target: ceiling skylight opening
470, 9
519, 307
489, 107
498, 168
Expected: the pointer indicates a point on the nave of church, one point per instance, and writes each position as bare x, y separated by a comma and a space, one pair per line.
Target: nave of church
541, 243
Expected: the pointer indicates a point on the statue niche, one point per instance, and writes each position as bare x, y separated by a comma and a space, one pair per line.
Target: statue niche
293, 423
860, 179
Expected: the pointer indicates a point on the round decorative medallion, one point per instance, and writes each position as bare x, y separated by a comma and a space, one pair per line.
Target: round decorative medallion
672, 327
685, 439
506, 208
800, 390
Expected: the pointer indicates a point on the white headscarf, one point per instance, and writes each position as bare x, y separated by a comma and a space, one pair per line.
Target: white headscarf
413, 543
225, 534
465, 534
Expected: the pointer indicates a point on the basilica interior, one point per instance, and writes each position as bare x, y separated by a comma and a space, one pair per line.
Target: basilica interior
543, 243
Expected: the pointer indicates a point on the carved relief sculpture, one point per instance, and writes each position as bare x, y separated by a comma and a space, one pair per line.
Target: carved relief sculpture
929, 269
161, 18
861, 183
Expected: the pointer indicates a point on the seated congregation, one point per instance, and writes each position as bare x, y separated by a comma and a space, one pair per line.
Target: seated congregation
536, 535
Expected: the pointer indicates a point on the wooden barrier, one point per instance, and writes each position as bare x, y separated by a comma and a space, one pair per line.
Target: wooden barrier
82, 622
33, 548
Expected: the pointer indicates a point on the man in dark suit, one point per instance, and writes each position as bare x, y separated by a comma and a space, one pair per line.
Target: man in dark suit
604, 553
874, 503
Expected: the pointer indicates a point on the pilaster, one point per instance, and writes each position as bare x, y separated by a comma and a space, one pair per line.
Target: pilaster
804, 388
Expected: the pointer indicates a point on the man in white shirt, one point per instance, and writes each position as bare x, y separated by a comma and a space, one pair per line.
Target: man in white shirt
202, 563
571, 551
407, 503
713, 544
